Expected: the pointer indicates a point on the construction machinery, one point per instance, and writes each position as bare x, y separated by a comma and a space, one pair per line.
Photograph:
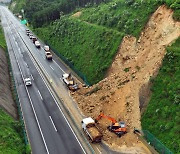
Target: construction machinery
91, 130
69, 81
119, 128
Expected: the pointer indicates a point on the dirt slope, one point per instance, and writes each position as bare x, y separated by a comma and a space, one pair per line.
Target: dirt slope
120, 93
6, 101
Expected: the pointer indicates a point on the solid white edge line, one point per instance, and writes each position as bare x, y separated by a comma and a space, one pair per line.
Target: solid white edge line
59, 107
59, 66
32, 105
40, 95
53, 123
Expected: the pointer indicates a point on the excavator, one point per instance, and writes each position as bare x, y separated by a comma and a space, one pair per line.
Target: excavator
119, 128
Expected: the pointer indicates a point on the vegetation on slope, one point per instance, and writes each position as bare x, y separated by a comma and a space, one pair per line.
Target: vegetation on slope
2, 39
19, 4
40, 12
163, 114
11, 135
88, 47
127, 16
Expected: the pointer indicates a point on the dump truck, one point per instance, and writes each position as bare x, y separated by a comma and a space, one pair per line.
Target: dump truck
91, 130
48, 55
69, 81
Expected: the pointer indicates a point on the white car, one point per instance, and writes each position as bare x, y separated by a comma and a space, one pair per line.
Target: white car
30, 36
27, 82
46, 48
37, 44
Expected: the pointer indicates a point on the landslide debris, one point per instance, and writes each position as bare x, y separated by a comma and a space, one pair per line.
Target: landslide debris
6, 99
118, 95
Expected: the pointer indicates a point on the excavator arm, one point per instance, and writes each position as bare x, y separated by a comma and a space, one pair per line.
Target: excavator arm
106, 117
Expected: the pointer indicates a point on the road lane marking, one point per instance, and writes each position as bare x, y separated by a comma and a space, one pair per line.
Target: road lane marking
59, 66
98, 150
53, 123
26, 64
52, 68
32, 77
40, 95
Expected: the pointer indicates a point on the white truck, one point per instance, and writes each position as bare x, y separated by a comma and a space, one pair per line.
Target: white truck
69, 81
89, 127
48, 55
37, 44
47, 52
46, 48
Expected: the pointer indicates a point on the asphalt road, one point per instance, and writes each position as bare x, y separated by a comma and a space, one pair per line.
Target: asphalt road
48, 129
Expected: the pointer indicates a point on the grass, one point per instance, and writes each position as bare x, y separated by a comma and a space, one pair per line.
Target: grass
126, 16
162, 117
2, 39
11, 137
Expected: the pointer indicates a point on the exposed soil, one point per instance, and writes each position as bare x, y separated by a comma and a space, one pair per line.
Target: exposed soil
126, 87
6, 99
77, 14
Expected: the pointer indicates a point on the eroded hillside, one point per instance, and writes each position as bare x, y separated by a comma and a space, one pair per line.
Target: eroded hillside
119, 94
6, 101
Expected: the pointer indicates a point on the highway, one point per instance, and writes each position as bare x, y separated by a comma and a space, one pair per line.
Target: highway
48, 129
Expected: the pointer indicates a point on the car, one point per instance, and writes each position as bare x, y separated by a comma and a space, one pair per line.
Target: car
27, 32
27, 82
34, 39
37, 44
30, 36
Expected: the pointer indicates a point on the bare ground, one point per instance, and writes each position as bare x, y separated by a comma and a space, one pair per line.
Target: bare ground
127, 82
6, 99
